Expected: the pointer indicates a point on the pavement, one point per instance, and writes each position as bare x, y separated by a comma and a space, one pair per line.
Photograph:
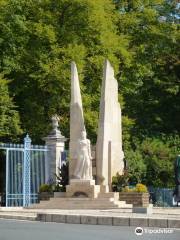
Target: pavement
161, 217
27, 230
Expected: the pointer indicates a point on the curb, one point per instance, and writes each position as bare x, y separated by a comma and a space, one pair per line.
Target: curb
98, 220
107, 220
18, 217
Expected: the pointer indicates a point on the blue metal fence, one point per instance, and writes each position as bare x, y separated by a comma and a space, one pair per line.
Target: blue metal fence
26, 169
161, 197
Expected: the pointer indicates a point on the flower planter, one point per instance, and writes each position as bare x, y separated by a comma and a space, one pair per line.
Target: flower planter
59, 194
136, 198
45, 195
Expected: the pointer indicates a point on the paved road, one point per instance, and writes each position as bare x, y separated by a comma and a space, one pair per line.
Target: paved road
24, 230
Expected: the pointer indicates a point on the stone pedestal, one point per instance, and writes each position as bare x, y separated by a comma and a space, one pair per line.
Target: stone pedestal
55, 143
82, 188
55, 148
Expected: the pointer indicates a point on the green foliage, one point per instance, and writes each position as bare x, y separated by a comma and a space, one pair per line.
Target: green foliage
152, 161
62, 178
150, 84
9, 117
39, 39
45, 188
119, 182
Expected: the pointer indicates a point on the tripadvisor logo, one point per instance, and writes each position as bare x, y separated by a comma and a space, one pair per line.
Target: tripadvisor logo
139, 231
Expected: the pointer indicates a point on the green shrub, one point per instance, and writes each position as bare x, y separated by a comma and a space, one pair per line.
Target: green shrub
62, 178
119, 182
45, 188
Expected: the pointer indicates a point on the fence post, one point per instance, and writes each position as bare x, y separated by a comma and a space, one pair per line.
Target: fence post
27, 172
7, 177
55, 143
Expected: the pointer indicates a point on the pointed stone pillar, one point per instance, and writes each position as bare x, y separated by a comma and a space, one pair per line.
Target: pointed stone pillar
78, 186
76, 118
109, 154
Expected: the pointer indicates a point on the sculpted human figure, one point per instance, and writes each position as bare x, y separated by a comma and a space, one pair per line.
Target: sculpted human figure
83, 169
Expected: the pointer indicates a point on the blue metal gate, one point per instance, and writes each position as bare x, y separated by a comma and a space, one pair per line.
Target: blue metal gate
26, 169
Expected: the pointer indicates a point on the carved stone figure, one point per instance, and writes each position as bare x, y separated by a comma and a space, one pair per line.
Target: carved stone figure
83, 169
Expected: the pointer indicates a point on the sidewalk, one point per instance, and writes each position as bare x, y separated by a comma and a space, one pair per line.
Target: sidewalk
161, 217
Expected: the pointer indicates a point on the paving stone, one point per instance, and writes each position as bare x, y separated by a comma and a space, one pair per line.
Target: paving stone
105, 220
89, 220
161, 223
172, 223
48, 217
41, 217
58, 218
139, 222
73, 219
118, 221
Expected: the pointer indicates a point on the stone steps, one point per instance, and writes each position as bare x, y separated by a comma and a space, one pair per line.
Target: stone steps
81, 203
109, 195
71, 206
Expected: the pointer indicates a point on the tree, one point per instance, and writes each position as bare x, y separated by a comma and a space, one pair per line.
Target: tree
151, 83
151, 161
9, 117
39, 39
150, 88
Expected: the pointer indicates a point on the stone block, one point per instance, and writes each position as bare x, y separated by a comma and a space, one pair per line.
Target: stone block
173, 223
119, 221
137, 199
105, 220
92, 220
58, 218
139, 222
82, 187
145, 210
48, 217
41, 217
73, 219
161, 223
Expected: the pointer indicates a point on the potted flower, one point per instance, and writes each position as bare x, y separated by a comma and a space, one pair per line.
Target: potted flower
138, 195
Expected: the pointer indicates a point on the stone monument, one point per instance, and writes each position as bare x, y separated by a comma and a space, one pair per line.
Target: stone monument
109, 154
80, 165
82, 193
76, 119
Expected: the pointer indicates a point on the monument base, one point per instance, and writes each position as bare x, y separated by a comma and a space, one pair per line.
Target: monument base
84, 194
82, 188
